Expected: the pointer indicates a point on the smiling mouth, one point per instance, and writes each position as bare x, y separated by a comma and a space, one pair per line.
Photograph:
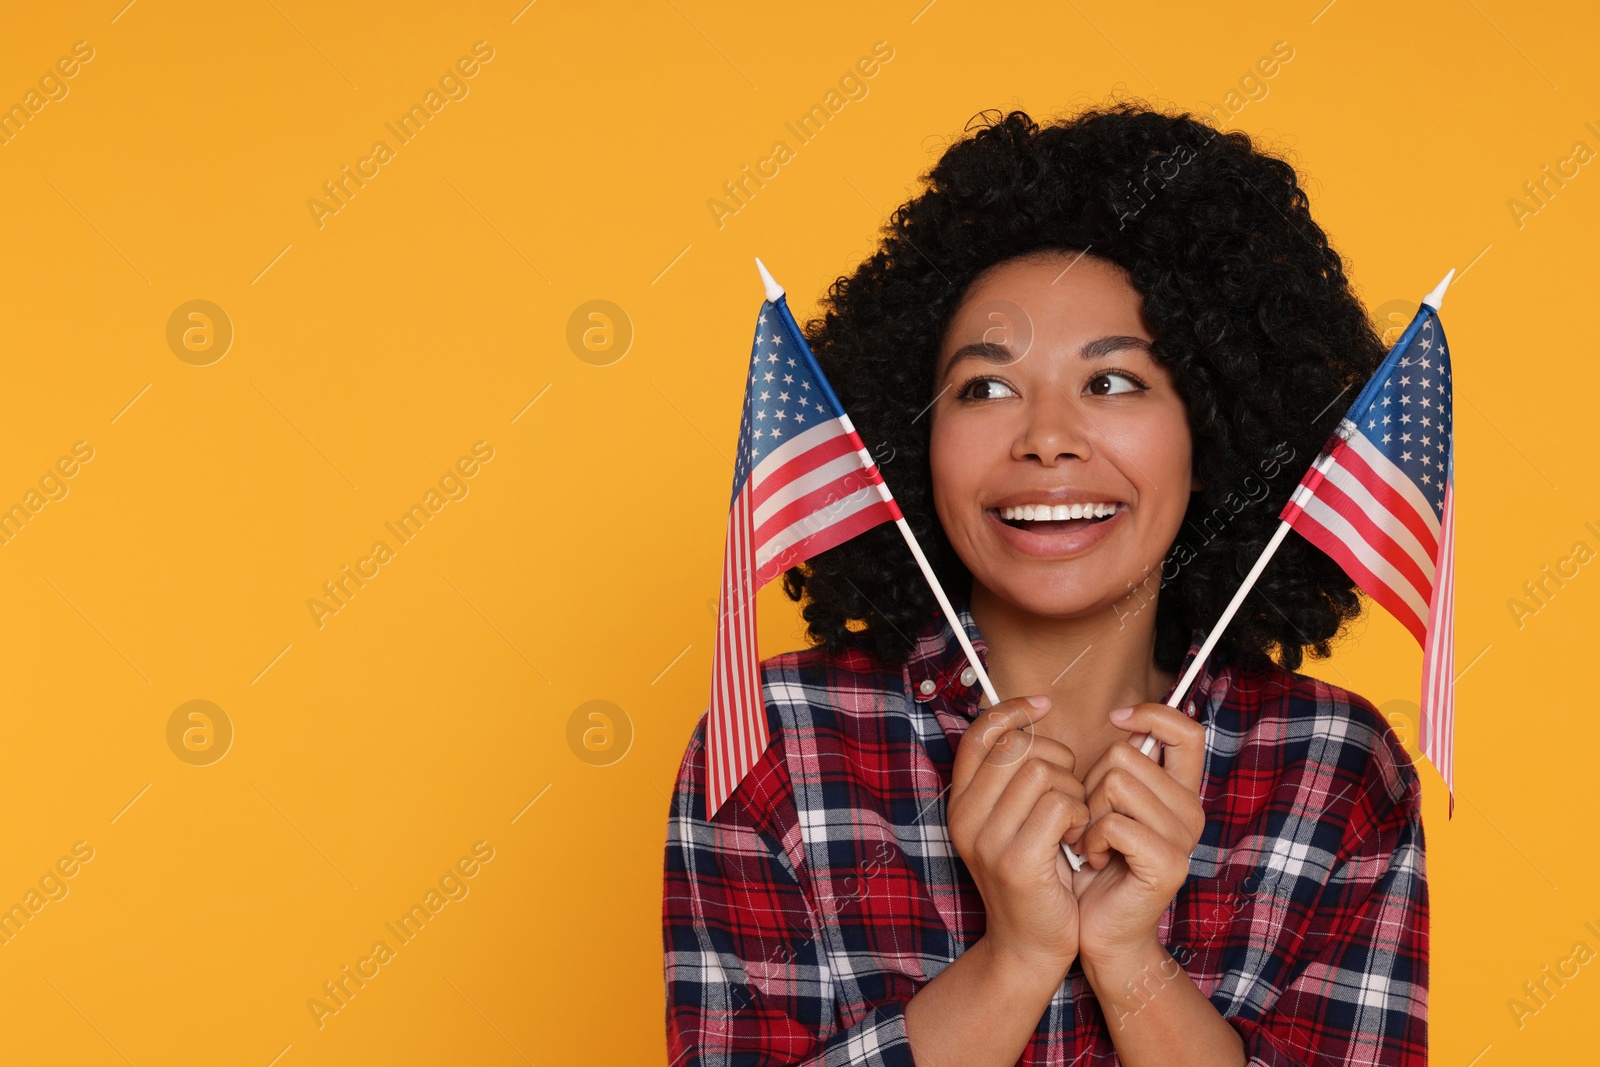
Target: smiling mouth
1062, 518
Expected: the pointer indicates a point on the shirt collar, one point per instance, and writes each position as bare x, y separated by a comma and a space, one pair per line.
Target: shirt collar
938, 673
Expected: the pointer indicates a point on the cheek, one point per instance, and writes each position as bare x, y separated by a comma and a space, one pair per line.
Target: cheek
957, 472
961, 455
1159, 450
945, 475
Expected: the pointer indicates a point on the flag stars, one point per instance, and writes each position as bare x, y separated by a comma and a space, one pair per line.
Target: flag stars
776, 432
800, 416
791, 361
773, 358
1405, 438
1405, 398
1404, 455
805, 385
784, 397
1406, 380
765, 395
1385, 438
767, 377
788, 379
780, 414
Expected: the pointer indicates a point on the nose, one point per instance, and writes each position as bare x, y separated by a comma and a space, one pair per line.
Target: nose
1054, 428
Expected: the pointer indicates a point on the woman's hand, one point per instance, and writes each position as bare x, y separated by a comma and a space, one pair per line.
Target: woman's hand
1013, 800
1151, 815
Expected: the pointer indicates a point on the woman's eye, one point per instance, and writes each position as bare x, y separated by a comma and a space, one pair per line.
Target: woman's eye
984, 389
1107, 384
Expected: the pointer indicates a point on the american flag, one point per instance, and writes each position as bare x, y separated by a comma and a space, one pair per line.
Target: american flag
802, 483
1380, 501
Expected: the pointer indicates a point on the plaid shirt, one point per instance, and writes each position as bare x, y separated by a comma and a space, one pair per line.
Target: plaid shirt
827, 891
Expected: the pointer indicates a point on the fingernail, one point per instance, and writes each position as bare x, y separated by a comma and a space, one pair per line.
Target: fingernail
1040, 701
1121, 714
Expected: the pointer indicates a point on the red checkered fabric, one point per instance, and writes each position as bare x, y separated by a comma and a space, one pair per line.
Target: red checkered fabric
826, 892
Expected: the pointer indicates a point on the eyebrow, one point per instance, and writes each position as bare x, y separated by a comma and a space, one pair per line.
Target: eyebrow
1099, 348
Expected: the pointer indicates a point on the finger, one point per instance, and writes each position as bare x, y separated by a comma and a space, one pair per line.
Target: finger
1054, 816
1120, 792
1184, 738
1010, 754
1148, 854
986, 730
1179, 798
1028, 783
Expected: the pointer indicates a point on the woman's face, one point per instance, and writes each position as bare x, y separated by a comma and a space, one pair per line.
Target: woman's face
1047, 396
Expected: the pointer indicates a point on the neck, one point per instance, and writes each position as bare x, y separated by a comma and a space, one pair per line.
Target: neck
1087, 666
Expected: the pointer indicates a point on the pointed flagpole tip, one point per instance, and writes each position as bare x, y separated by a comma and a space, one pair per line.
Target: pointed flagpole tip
1435, 298
774, 290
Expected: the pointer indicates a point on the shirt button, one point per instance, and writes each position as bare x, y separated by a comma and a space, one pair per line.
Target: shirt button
969, 676
927, 687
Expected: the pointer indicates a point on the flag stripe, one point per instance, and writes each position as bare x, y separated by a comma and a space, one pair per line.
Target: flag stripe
1376, 574
755, 735
827, 473
803, 442
821, 506
843, 528
1375, 528
1438, 661
773, 475
1401, 523
1386, 481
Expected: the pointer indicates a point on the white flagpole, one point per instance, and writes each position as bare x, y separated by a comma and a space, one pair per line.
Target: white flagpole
774, 292
1433, 300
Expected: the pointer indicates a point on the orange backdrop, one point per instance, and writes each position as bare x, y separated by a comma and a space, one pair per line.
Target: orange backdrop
372, 372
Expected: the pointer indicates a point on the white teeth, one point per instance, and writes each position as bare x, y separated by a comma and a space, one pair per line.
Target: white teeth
1059, 512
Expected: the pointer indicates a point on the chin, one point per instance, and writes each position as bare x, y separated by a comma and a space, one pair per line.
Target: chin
1027, 595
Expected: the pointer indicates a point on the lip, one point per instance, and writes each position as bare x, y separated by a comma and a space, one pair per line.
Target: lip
1055, 545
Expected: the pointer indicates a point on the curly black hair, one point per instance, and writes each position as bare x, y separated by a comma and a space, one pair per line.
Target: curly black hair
1252, 312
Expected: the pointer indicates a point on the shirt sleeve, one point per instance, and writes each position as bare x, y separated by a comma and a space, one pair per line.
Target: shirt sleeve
747, 978
1360, 995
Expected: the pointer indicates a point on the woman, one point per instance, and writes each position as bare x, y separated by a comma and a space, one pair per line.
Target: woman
1093, 359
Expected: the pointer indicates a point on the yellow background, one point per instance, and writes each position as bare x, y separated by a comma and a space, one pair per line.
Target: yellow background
434, 709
